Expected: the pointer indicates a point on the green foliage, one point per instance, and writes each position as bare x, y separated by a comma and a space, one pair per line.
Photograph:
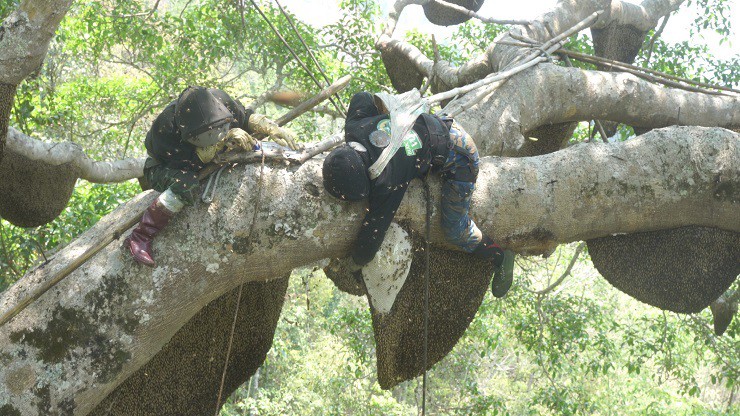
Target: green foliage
584, 348
6, 7
424, 42
474, 37
353, 37
21, 249
713, 15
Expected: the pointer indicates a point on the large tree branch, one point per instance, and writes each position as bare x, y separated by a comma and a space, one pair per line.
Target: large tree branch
25, 37
550, 94
499, 56
66, 152
105, 320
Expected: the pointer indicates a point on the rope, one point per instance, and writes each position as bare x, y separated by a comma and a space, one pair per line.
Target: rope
308, 50
211, 186
228, 349
427, 232
260, 185
292, 52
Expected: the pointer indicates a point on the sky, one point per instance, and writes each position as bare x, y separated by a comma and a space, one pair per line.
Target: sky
323, 12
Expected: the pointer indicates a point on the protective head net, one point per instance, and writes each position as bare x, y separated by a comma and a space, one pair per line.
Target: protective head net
198, 111
344, 174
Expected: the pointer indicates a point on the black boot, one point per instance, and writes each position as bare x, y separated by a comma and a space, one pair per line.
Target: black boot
503, 274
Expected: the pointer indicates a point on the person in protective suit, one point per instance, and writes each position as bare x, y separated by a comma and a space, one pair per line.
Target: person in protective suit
434, 142
190, 132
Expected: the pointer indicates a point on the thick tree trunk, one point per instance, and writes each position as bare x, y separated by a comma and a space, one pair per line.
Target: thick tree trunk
84, 337
24, 40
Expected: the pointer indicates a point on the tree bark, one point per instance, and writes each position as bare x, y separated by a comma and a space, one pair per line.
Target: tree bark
24, 39
497, 56
108, 318
549, 94
68, 153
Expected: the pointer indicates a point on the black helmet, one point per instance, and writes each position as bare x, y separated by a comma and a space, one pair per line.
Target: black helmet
345, 174
199, 115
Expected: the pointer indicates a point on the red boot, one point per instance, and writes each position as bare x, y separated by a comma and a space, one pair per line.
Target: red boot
155, 218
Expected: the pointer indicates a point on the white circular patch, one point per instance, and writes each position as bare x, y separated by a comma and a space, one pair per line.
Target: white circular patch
379, 138
386, 273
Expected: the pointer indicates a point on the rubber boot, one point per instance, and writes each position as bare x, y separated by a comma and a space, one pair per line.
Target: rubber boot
139, 242
503, 274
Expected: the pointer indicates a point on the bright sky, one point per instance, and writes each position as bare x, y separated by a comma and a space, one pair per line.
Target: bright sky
322, 12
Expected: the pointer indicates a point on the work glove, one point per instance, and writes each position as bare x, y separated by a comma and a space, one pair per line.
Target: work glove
239, 139
259, 123
235, 139
346, 275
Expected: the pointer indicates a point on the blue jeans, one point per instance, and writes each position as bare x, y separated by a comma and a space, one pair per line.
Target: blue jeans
459, 174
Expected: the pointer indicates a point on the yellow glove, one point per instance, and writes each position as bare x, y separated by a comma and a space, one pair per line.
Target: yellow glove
259, 123
238, 139
234, 139
206, 154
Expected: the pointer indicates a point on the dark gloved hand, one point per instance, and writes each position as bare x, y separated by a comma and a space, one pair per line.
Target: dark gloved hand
346, 275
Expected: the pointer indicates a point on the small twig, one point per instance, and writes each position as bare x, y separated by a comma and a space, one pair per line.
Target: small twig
183, 8
485, 81
637, 71
510, 43
41, 250
240, 3
292, 52
327, 93
655, 36
147, 14
602, 132
435, 48
565, 274
425, 86
525, 39
310, 53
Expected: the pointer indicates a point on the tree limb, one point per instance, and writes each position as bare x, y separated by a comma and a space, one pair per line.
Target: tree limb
664, 179
550, 94
497, 56
67, 152
25, 35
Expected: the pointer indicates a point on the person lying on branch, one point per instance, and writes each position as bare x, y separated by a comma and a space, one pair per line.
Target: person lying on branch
434, 143
190, 132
